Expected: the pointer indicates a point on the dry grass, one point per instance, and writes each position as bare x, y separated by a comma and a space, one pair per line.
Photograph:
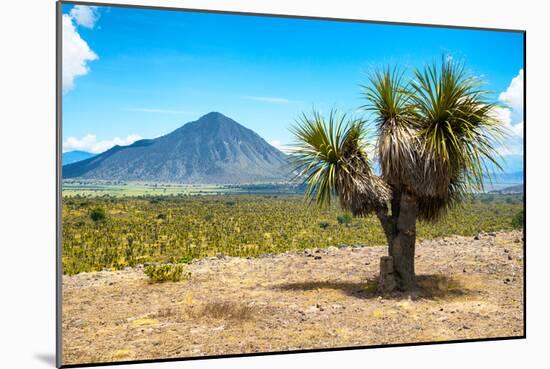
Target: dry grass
468, 289
223, 310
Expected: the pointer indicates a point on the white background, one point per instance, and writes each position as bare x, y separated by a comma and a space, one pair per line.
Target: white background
27, 192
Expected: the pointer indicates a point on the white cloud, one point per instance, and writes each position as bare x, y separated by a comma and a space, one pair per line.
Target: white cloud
85, 16
514, 144
268, 99
161, 111
517, 129
512, 116
76, 54
513, 96
90, 143
505, 116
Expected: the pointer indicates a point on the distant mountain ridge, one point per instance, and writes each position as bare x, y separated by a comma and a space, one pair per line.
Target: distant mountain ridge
516, 189
213, 149
70, 157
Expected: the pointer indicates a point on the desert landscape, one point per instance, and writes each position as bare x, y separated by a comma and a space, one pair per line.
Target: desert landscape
242, 184
470, 287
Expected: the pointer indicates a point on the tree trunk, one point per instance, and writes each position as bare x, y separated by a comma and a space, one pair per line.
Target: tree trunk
403, 244
397, 269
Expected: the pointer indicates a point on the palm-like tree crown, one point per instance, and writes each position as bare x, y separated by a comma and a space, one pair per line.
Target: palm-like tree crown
397, 143
331, 154
459, 133
436, 135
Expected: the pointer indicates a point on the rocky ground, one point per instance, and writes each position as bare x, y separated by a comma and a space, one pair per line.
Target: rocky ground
470, 288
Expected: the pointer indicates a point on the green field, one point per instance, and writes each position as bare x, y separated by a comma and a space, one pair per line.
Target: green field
134, 230
89, 188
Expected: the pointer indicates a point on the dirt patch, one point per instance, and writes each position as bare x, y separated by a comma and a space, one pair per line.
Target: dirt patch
313, 299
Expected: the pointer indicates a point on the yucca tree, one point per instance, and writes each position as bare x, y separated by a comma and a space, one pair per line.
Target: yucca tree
435, 134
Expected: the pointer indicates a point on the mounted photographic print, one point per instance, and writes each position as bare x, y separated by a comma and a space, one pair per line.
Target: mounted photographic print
242, 184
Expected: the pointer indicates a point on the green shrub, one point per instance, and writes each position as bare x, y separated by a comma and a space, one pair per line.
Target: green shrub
166, 272
186, 259
344, 219
518, 219
98, 214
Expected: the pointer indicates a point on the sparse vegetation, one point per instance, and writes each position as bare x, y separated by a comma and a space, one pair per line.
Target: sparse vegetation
97, 214
344, 219
518, 220
132, 233
323, 303
165, 273
224, 310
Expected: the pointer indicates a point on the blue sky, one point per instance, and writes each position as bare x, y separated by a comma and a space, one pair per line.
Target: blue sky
131, 73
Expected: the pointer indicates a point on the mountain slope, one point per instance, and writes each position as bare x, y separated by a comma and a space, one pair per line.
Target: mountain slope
74, 156
214, 149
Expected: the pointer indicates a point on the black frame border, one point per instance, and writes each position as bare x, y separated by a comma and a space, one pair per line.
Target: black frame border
58, 195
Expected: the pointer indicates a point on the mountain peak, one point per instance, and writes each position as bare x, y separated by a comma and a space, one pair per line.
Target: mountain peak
215, 118
212, 149
213, 115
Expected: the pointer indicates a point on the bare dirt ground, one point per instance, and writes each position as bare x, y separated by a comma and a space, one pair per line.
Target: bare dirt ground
315, 299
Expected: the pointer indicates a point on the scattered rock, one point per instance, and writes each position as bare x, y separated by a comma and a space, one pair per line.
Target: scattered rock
317, 257
292, 297
311, 310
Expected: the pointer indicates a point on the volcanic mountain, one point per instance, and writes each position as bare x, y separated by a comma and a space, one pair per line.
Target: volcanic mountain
212, 150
